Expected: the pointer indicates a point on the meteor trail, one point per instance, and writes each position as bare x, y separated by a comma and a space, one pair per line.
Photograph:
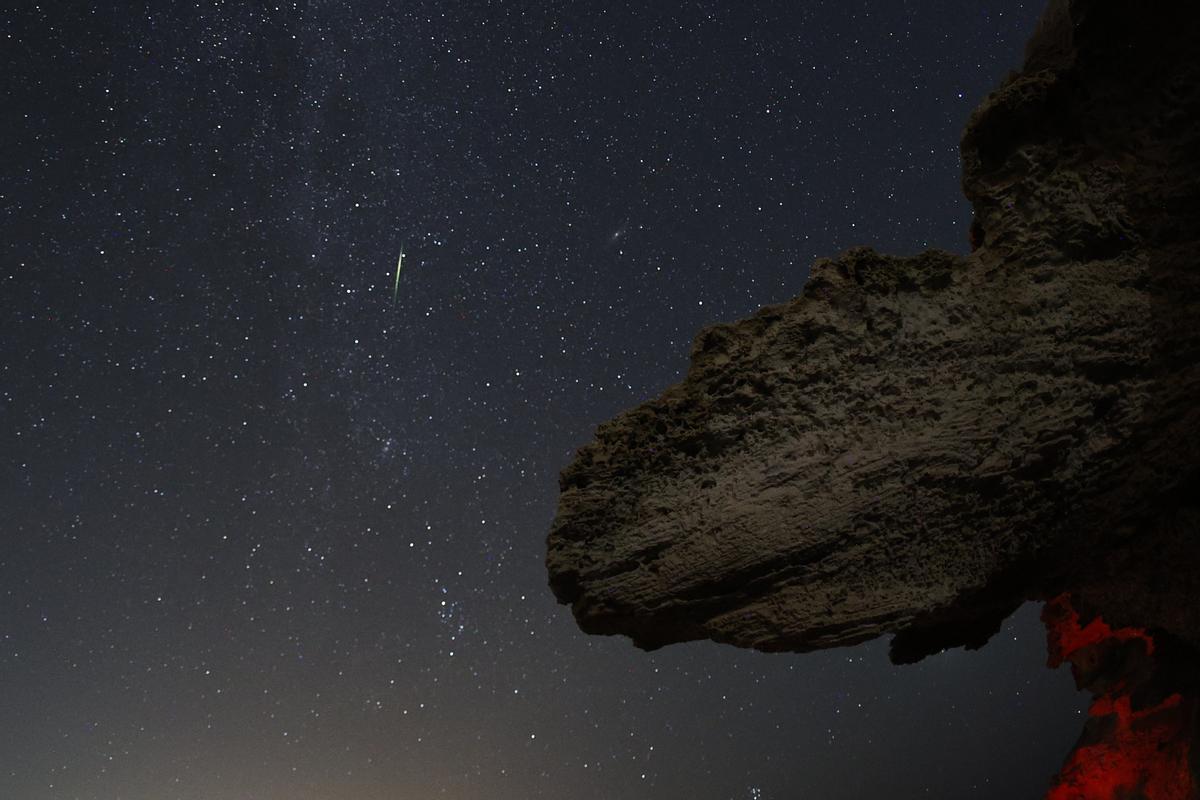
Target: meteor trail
399, 264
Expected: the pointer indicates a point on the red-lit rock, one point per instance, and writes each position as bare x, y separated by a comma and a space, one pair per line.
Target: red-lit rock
1141, 730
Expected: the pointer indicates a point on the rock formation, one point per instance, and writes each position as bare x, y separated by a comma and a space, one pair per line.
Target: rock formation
916, 446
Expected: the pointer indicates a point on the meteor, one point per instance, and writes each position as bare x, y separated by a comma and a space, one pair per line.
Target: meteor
399, 264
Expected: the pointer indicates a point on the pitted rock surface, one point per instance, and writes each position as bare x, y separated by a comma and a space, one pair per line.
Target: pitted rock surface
917, 445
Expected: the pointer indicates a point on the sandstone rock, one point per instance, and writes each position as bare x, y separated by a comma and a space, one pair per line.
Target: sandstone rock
919, 443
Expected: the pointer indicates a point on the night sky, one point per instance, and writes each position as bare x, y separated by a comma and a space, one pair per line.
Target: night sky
267, 533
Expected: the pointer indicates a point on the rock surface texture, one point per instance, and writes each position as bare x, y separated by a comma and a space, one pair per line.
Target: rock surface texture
916, 446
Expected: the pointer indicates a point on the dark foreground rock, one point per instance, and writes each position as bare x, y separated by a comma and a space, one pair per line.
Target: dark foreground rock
916, 446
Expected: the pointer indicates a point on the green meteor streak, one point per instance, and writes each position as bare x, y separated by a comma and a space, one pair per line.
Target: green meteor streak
399, 264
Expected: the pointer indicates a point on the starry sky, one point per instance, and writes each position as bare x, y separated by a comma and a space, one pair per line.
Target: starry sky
266, 532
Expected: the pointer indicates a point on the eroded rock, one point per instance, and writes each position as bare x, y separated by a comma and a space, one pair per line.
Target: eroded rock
915, 446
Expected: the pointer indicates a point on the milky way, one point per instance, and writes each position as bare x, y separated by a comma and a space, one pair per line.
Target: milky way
272, 527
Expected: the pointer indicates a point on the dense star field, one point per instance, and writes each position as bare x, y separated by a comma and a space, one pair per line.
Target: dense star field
267, 532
